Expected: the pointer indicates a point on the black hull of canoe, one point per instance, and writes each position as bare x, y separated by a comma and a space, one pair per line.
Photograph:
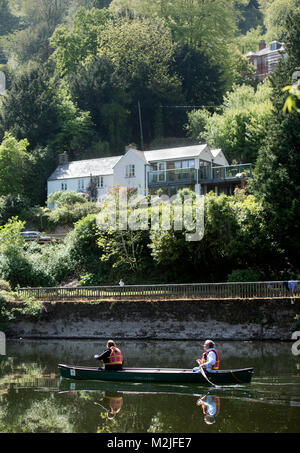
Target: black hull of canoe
163, 375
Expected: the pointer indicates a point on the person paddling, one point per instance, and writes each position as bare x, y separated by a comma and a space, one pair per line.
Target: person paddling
210, 360
112, 357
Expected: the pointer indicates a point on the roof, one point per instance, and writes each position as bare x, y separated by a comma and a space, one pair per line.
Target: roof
265, 51
84, 168
105, 165
219, 157
184, 152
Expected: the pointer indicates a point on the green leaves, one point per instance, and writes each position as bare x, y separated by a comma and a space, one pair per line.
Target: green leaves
241, 125
74, 46
14, 161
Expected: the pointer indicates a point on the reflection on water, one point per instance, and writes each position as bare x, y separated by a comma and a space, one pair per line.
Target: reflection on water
34, 399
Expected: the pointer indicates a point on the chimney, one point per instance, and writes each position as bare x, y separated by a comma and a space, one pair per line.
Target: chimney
63, 158
127, 148
262, 44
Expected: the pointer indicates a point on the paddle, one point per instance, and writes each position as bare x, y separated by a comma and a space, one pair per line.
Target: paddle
98, 404
205, 377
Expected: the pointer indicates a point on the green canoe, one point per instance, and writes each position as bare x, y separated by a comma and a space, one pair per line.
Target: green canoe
167, 375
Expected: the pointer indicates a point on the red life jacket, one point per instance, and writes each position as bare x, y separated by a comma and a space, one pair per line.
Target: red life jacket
116, 357
217, 364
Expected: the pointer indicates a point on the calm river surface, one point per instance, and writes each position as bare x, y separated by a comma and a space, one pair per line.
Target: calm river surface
33, 399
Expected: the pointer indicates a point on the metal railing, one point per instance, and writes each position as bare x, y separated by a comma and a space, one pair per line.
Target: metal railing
246, 290
192, 175
240, 171
177, 175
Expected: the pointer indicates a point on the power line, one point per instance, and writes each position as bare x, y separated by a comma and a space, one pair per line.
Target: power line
187, 106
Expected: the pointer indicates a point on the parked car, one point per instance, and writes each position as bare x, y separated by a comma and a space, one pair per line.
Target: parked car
30, 235
35, 236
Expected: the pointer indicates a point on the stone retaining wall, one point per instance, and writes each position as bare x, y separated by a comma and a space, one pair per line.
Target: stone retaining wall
253, 319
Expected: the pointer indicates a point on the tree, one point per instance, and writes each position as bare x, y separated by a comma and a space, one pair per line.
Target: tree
76, 130
276, 180
97, 88
239, 127
14, 162
251, 16
139, 46
202, 82
142, 53
208, 26
7, 20
12, 206
250, 41
29, 109
38, 19
73, 46
235, 236
276, 13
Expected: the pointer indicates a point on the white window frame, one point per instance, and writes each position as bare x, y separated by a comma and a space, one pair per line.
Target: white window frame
130, 171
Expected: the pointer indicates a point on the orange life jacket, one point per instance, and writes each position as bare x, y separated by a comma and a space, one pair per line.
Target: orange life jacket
217, 364
116, 357
217, 401
116, 403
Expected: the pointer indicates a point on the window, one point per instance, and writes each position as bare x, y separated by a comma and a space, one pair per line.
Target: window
63, 186
80, 184
130, 171
100, 181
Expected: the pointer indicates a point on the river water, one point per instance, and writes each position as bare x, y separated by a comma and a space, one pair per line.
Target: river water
33, 398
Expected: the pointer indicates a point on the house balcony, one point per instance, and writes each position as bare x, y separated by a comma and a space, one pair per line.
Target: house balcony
176, 177
229, 173
205, 175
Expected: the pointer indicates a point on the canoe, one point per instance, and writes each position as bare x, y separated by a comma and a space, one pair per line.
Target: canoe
164, 375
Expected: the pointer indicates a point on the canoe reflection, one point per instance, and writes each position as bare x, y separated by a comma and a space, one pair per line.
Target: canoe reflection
131, 387
112, 399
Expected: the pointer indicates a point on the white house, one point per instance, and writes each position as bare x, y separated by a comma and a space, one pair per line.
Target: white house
197, 167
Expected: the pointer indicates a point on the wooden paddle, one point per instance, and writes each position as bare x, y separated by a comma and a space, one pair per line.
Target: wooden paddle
205, 377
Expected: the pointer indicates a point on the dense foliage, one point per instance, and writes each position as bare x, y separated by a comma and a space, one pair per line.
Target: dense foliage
77, 71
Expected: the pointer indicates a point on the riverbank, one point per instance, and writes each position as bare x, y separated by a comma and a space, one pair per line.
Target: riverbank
230, 319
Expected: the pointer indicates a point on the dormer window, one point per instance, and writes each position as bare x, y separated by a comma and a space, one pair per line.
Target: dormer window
130, 171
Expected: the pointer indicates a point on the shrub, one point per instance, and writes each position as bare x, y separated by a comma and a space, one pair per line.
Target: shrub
11, 206
66, 197
244, 275
69, 214
83, 247
4, 285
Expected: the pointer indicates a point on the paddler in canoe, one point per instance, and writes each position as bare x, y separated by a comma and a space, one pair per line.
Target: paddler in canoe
210, 360
112, 357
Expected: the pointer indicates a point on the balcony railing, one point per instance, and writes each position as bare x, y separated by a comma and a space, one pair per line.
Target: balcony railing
229, 172
197, 291
205, 174
170, 177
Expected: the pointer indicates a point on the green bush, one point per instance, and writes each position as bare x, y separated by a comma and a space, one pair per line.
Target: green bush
5, 286
66, 197
83, 247
11, 206
244, 275
69, 214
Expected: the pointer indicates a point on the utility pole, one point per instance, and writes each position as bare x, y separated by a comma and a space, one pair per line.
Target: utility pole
141, 126
2, 83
